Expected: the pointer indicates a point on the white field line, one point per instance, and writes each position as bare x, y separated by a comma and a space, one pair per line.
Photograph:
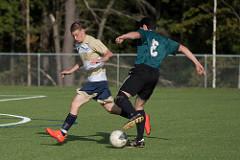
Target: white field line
12, 95
20, 98
24, 120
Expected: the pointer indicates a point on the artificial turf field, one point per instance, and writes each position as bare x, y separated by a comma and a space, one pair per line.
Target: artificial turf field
187, 123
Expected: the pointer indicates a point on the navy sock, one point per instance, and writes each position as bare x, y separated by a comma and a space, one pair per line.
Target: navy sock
70, 119
140, 126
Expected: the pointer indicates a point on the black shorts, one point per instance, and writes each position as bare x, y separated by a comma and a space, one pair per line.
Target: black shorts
141, 81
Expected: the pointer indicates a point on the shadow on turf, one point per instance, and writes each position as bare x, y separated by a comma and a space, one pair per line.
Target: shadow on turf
94, 138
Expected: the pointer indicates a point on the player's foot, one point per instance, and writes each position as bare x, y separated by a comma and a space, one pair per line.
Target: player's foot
134, 120
147, 124
57, 134
136, 144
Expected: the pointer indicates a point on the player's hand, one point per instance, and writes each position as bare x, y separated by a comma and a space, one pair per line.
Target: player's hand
200, 69
63, 73
119, 40
96, 60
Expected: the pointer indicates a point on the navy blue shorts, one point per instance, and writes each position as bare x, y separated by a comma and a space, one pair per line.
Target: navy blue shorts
99, 89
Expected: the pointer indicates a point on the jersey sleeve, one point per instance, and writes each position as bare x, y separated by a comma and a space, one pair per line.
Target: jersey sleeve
143, 34
172, 46
98, 47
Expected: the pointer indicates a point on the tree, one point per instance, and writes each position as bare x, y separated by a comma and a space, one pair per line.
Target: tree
68, 40
186, 21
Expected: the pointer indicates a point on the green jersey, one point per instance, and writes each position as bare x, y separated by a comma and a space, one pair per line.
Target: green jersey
153, 48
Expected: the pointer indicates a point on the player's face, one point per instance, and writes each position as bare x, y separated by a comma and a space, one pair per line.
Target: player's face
144, 27
79, 35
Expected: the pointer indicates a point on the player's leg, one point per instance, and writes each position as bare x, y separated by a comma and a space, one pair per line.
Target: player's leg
139, 141
139, 106
81, 98
131, 86
106, 100
122, 100
104, 97
112, 108
151, 79
78, 101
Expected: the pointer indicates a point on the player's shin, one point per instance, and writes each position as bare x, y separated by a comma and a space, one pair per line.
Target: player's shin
119, 111
69, 121
124, 114
124, 103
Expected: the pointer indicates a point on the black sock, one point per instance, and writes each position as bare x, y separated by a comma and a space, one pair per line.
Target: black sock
140, 126
124, 114
124, 103
70, 119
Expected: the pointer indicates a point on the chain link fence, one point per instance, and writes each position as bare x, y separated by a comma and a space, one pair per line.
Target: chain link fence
176, 71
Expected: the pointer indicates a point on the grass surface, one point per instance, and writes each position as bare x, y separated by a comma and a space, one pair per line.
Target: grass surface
194, 124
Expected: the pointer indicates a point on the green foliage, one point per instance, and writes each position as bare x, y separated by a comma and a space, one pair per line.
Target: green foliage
9, 16
187, 21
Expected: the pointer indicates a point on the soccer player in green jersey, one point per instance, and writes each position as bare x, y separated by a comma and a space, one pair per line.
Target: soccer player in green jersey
151, 51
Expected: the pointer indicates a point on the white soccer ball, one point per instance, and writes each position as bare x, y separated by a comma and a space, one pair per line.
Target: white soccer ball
118, 138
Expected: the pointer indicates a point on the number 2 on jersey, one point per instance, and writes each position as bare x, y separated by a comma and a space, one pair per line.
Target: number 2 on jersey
153, 48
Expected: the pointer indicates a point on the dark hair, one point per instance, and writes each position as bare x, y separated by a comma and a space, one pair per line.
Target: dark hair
75, 26
148, 22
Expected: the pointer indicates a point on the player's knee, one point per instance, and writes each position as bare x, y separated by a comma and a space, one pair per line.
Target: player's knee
121, 96
111, 108
111, 111
107, 107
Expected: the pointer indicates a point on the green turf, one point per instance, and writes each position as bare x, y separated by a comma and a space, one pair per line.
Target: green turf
187, 124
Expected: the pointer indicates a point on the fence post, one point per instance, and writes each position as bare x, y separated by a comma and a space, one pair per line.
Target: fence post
239, 74
118, 63
206, 68
38, 69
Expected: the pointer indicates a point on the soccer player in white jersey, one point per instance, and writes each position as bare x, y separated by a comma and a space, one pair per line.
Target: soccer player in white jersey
93, 55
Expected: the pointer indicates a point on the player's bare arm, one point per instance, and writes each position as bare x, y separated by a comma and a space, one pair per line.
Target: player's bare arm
130, 35
199, 68
104, 58
107, 56
70, 70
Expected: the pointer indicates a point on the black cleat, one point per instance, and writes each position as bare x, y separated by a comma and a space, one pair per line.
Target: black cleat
136, 144
134, 120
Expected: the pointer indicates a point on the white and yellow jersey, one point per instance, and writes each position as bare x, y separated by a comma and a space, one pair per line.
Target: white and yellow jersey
92, 48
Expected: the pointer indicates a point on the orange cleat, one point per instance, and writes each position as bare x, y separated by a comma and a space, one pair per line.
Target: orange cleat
147, 124
57, 134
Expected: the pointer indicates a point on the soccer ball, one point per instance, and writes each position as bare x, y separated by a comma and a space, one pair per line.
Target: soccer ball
118, 138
